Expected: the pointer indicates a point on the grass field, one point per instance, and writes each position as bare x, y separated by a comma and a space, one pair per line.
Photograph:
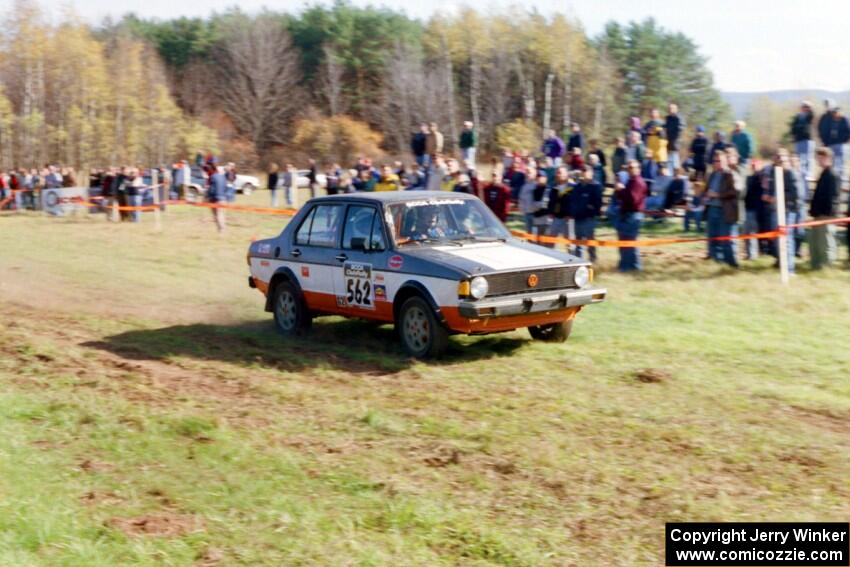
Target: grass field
150, 415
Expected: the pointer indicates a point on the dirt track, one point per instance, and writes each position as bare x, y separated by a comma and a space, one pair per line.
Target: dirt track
153, 382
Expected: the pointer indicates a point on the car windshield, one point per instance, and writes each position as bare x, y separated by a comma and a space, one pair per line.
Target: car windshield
443, 221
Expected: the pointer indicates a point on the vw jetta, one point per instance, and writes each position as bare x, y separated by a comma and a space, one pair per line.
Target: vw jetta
432, 263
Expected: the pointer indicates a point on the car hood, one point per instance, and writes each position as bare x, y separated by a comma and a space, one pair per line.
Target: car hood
482, 258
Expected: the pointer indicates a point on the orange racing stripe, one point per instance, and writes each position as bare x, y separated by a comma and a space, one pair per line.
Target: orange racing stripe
456, 322
327, 303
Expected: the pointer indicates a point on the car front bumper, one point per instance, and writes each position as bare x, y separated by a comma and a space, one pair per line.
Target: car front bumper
530, 303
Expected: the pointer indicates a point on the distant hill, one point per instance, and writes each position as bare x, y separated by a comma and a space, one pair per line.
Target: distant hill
741, 102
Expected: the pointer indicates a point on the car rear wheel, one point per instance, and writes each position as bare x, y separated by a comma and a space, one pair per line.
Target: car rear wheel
290, 312
553, 333
422, 336
247, 189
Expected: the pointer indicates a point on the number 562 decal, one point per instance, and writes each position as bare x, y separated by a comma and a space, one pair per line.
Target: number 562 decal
358, 285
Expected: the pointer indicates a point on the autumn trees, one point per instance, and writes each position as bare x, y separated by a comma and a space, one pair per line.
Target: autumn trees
657, 67
72, 97
141, 89
257, 79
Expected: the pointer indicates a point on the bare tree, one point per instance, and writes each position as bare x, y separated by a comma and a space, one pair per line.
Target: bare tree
475, 90
259, 78
450, 94
406, 100
603, 86
22, 71
547, 102
568, 94
331, 82
192, 85
526, 86
499, 85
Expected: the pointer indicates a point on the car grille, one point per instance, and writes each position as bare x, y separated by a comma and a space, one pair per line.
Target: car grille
517, 282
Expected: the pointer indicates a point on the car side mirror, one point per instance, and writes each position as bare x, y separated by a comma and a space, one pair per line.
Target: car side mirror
359, 243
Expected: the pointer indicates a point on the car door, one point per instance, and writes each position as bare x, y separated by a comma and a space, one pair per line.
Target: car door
314, 251
359, 284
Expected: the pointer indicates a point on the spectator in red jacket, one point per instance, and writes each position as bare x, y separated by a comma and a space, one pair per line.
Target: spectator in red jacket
576, 159
498, 197
630, 199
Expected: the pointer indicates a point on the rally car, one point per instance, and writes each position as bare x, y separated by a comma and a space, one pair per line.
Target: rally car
432, 263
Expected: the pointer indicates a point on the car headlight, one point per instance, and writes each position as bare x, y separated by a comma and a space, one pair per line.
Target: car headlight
478, 287
582, 276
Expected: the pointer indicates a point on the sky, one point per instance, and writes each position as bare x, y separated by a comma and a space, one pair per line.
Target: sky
752, 45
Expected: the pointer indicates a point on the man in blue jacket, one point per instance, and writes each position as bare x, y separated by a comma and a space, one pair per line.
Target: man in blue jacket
553, 147
673, 126
834, 131
699, 153
743, 141
216, 195
801, 132
585, 207
417, 146
576, 139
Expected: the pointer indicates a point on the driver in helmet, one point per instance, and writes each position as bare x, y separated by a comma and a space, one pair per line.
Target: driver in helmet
428, 223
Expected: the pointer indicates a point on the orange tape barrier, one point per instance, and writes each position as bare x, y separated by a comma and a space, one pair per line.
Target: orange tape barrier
518, 233
243, 208
843, 220
665, 241
98, 202
203, 204
636, 243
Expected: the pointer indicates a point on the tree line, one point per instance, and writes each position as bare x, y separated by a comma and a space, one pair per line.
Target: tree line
72, 96
145, 89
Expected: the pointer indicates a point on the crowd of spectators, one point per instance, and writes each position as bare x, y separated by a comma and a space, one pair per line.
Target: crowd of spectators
566, 187
569, 185
128, 189
30, 181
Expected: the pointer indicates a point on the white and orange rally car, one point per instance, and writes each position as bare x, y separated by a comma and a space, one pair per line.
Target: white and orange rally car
432, 263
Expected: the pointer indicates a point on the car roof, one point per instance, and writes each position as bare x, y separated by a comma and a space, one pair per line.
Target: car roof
394, 196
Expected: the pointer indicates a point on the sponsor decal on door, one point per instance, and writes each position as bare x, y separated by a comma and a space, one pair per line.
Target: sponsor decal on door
380, 292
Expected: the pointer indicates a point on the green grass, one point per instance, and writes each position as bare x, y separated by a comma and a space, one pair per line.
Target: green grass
142, 382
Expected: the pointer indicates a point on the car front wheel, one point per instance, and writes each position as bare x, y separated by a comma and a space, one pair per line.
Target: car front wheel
421, 334
290, 312
553, 333
247, 189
